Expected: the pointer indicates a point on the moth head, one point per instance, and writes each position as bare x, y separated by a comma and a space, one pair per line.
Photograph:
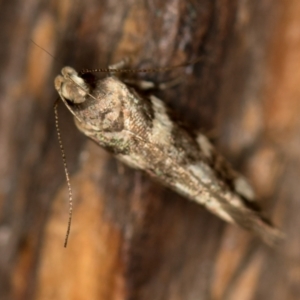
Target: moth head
70, 86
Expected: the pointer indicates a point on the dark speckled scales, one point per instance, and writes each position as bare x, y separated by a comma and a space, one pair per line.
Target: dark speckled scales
140, 132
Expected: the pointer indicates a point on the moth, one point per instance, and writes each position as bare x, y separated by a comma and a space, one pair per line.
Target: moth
140, 132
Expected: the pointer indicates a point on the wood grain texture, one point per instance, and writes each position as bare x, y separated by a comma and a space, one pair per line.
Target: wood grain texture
132, 238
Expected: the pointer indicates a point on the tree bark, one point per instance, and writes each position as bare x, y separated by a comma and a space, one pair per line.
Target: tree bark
131, 238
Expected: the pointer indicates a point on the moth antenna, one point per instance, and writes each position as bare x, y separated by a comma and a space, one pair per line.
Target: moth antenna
153, 70
43, 49
66, 173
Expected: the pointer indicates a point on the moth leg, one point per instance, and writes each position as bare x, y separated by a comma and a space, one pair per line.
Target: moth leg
170, 84
147, 85
124, 63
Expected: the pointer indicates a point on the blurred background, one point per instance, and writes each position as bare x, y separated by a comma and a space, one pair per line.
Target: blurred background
131, 238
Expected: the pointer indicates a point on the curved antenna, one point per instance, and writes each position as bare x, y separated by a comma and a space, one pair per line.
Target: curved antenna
152, 70
66, 173
43, 49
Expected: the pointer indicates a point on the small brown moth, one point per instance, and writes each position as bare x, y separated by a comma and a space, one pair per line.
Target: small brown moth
139, 131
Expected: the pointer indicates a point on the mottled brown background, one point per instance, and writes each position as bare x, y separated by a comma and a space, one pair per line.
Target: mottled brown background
132, 238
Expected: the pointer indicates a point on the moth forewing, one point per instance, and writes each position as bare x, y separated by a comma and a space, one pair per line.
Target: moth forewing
139, 131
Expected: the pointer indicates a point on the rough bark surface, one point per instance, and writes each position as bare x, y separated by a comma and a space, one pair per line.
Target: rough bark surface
131, 238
